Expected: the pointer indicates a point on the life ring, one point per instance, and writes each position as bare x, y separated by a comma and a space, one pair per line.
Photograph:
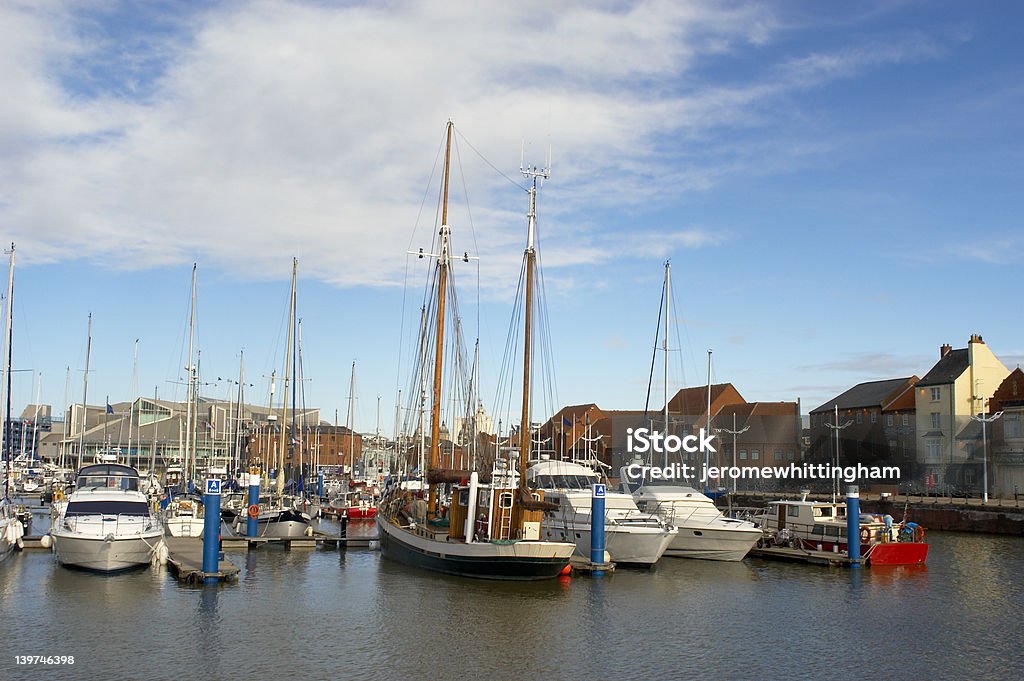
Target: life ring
58, 495
865, 535
254, 511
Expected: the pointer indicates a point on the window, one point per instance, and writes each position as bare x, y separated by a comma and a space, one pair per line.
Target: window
791, 455
874, 416
793, 511
1011, 425
743, 455
860, 417
778, 455
936, 394
934, 450
505, 500
888, 420
906, 419
755, 454
936, 420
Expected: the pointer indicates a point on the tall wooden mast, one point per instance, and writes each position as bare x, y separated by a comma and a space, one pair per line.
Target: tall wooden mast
530, 256
442, 290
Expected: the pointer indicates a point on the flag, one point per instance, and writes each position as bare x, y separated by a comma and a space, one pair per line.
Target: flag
566, 422
110, 410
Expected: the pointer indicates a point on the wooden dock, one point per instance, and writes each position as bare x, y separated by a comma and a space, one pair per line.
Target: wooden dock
801, 556
305, 542
185, 558
582, 566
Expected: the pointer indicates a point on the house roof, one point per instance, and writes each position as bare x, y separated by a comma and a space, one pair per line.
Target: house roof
870, 394
947, 369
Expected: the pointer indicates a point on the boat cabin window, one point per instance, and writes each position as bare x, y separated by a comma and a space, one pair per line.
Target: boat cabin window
822, 511
483, 498
565, 481
463, 497
818, 529
793, 511
107, 508
505, 500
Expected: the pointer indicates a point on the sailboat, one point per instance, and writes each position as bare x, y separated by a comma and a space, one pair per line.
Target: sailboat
183, 516
703, 530
11, 527
492, 528
278, 516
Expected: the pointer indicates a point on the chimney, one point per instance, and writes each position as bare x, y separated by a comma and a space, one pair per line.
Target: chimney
976, 338
944, 350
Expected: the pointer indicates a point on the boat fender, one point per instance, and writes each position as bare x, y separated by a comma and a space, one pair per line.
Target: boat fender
919, 534
865, 535
45, 541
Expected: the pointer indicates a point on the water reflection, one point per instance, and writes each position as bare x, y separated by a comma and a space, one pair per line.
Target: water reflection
337, 613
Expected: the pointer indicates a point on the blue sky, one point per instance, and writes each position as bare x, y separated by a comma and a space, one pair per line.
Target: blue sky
838, 186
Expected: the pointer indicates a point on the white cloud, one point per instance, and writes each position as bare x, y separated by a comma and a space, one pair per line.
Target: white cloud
274, 128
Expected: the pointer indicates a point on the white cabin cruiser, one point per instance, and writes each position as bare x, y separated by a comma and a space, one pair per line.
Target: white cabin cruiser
632, 536
704, 531
107, 524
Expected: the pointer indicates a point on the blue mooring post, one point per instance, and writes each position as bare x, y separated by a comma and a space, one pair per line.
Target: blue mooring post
320, 485
597, 527
853, 525
211, 530
252, 526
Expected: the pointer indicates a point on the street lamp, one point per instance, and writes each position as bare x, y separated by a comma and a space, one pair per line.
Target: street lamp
837, 427
984, 451
734, 433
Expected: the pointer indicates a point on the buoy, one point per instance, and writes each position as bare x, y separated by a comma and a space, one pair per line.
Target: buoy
566, 571
46, 542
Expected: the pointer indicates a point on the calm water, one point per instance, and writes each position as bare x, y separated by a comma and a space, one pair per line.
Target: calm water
323, 614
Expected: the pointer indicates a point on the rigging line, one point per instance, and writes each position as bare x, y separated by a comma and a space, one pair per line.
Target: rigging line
458, 132
426, 192
654, 355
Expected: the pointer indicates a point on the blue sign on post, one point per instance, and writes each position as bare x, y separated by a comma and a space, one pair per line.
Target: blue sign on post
597, 527
599, 490
211, 531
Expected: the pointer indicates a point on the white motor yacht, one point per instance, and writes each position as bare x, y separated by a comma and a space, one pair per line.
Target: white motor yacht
107, 524
632, 536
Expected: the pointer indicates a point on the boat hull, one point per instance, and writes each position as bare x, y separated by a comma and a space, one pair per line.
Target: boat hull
184, 526
104, 554
713, 544
286, 524
632, 546
516, 561
897, 553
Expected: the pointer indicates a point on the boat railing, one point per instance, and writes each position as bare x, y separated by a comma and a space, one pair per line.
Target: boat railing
101, 525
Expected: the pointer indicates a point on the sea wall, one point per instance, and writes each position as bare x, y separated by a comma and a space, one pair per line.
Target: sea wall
934, 513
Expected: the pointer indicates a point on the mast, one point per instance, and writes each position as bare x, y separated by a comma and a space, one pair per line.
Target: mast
8, 343
64, 439
237, 459
85, 392
350, 423
186, 468
287, 375
422, 462
707, 455
131, 409
664, 342
530, 255
442, 292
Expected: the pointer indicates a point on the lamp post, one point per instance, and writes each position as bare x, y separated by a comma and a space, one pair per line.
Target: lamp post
837, 427
984, 451
734, 433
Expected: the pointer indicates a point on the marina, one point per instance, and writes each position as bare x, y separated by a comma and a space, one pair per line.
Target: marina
715, 619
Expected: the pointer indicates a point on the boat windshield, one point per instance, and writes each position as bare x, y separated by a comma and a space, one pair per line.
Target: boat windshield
107, 508
565, 481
